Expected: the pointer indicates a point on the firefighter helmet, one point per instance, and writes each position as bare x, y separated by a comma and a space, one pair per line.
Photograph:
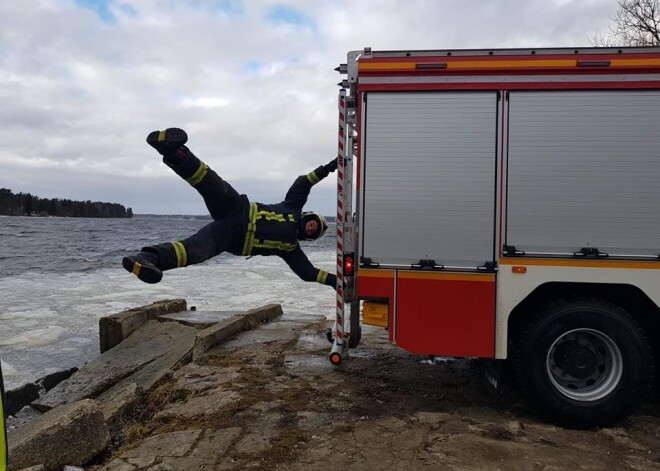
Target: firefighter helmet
312, 216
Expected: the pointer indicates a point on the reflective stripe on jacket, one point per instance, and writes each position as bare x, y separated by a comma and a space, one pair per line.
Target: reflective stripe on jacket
272, 229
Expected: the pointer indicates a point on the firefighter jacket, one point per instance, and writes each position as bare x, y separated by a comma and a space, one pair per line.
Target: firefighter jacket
273, 229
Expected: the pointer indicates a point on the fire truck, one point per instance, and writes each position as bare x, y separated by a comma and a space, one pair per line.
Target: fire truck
505, 204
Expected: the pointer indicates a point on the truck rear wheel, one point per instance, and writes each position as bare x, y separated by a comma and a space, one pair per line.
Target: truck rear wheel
584, 362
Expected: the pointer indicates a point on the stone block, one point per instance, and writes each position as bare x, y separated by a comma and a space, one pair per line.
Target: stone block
116, 406
197, 406
172, 444
118, 465
18, 398
115, 328
48, 382
198, 319
218, 333
69, 435
213, 444
143, 358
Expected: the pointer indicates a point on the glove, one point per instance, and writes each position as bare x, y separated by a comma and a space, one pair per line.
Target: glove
331, 166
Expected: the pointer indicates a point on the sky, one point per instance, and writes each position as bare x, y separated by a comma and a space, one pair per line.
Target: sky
82, 83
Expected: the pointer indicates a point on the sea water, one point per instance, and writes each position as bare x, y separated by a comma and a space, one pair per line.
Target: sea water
58, 276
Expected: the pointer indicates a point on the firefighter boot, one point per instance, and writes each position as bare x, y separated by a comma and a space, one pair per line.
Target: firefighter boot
167, 142
144, 265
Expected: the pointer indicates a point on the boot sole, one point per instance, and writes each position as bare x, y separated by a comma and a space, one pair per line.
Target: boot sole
168, 140
147, 273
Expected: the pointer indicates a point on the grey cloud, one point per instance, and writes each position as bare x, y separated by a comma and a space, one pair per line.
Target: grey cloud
78, 95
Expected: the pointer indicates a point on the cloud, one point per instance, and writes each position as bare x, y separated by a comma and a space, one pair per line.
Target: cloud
82, 82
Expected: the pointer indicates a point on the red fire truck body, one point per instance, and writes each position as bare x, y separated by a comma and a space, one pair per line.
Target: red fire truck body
506, 207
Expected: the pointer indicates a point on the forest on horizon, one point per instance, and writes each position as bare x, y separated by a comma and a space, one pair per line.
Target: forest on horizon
26, 204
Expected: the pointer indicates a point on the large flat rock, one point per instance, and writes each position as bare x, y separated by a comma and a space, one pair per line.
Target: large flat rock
220, 332
143, 358
69, 435
115, 328
198, 319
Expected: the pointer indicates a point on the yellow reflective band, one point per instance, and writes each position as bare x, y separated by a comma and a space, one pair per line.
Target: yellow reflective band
313, 179
251, 227
181, 255
275, 245
270, 216
161, 136
199, 175
291, 218
322, 276
136, 268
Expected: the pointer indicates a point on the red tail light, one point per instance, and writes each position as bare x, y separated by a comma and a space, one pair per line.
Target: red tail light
348, 264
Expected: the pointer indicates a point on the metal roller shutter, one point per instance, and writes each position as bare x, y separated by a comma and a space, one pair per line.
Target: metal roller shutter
584, 171
429, 185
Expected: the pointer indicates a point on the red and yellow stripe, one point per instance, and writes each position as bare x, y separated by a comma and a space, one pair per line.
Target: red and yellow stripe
374, 65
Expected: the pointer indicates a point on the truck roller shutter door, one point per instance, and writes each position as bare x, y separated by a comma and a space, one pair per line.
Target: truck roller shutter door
583, 171
429, 176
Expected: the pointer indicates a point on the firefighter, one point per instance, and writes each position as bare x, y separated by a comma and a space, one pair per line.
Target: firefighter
239, 226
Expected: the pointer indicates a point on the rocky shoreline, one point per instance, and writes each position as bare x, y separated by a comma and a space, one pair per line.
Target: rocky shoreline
82, 408
255, 390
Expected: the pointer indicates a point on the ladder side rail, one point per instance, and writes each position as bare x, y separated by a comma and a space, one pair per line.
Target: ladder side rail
340, 344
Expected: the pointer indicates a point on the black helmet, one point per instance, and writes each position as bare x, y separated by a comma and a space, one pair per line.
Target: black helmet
312, 216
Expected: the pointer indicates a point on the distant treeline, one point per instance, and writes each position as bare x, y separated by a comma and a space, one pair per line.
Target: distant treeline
25, 204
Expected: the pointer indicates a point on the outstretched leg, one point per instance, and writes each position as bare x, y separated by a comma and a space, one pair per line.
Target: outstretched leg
211, 240
221, 199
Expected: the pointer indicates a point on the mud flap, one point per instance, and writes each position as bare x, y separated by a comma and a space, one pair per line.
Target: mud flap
493, 377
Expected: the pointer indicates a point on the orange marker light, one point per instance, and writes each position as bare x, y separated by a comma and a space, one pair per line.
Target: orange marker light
519, 269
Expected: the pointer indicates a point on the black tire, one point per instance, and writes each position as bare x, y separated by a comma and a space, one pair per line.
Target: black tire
583, 362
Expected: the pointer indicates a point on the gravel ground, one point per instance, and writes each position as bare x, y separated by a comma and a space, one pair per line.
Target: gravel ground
270, 399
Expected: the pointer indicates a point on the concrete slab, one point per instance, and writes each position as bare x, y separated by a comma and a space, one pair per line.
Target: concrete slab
255, 339
115, 328
143, 358
206, 405
198, 319
214, 443
116, 406
197, 379
47, 439
161, 446
118, 465
218, 333
293, 323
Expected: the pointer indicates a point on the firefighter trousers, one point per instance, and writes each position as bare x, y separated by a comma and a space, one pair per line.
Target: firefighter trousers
227, 208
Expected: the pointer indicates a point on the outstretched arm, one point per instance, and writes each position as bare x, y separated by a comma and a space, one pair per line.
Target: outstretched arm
299, 191
301, 266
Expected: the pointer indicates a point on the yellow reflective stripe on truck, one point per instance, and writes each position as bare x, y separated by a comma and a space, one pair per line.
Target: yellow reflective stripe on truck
581, 263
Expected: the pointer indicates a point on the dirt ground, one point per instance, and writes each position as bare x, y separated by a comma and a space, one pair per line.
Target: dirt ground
270, 399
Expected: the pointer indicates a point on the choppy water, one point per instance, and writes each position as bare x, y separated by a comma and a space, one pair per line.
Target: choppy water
58, 276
